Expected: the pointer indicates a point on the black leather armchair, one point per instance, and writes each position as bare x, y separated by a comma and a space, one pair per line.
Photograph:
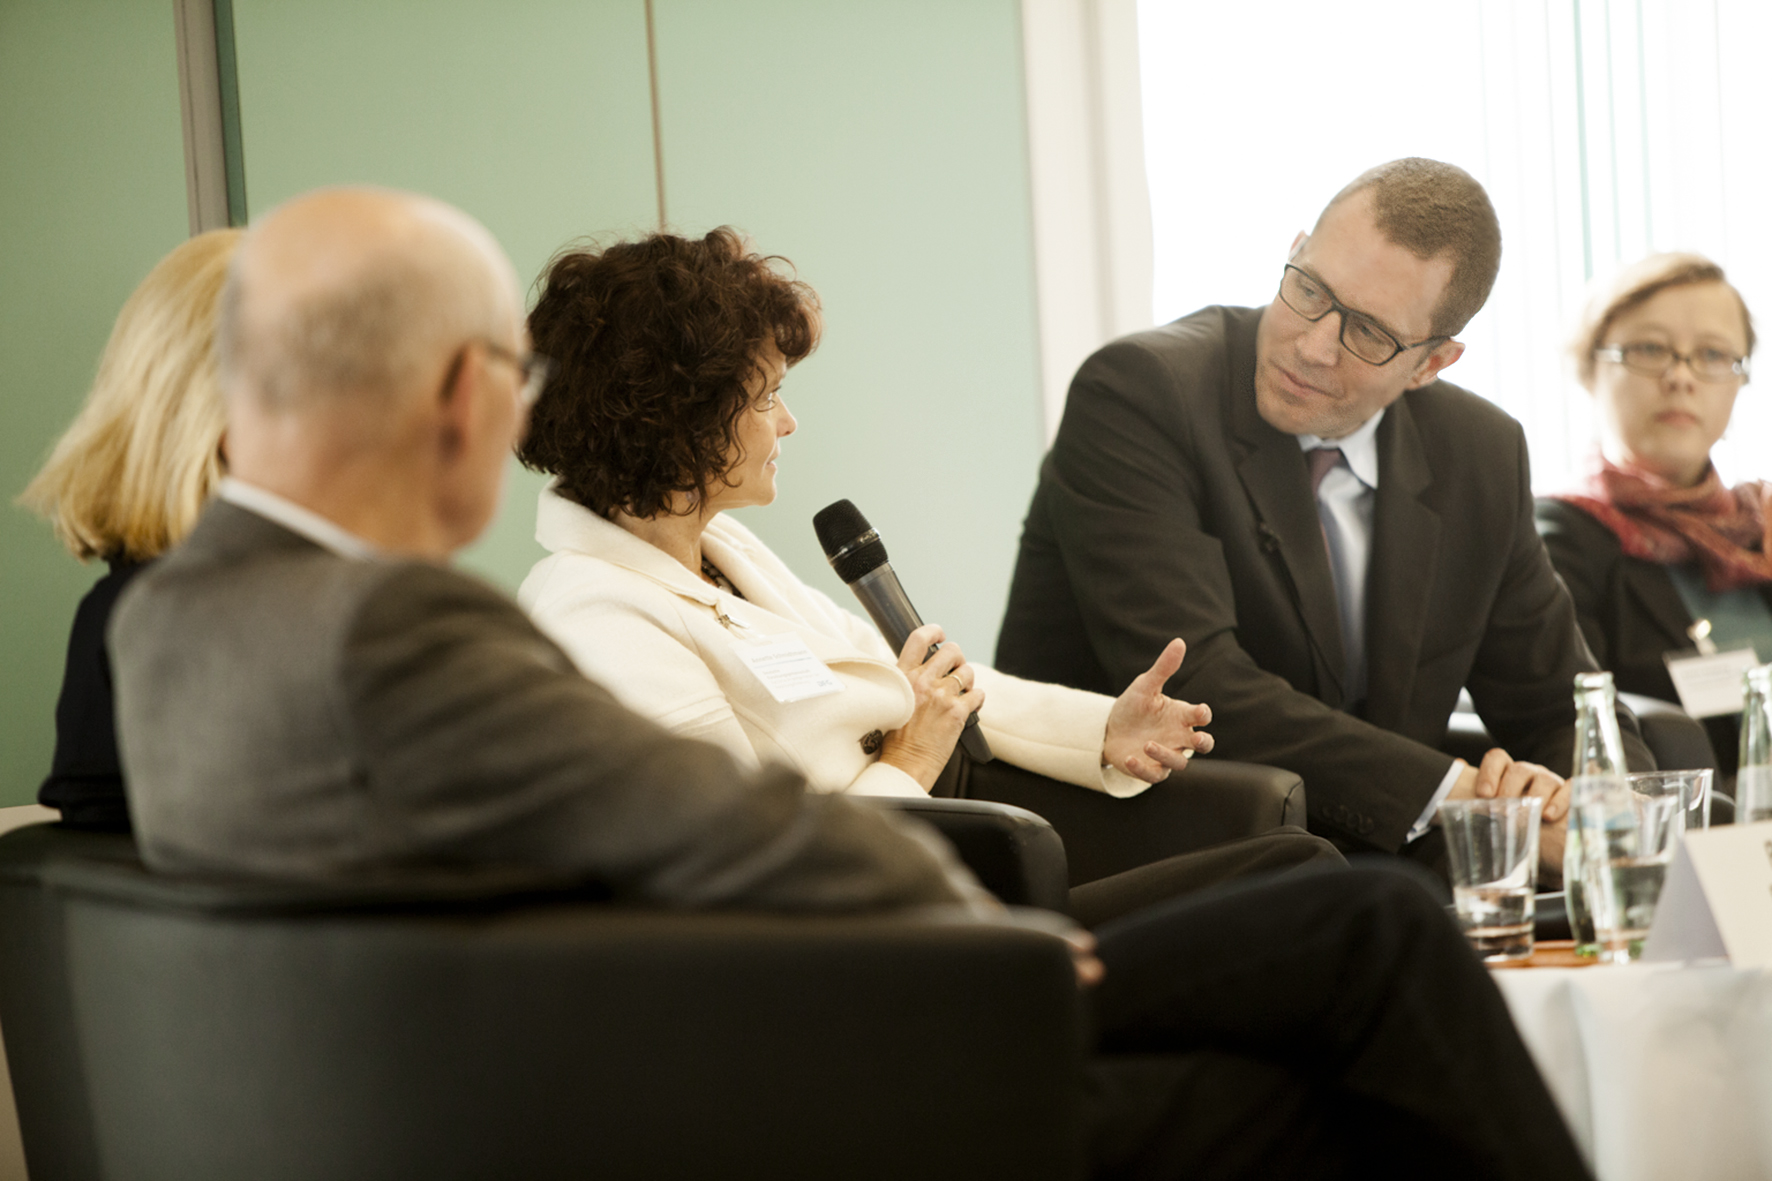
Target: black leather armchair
1017, 855
1212, 802
189, 1029
1677, 740
1673, 736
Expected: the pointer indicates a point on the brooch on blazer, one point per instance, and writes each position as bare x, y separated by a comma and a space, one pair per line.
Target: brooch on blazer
871, 742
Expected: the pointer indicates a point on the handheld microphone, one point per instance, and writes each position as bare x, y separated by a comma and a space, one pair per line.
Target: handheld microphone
857, 554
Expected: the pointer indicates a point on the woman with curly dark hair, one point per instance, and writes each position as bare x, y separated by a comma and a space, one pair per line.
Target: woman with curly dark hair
664, 411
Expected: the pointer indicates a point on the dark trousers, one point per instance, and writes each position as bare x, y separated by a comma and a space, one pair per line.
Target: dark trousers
1276, 851
1322, 1024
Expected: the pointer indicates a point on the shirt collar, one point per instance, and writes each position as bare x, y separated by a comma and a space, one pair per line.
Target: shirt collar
296, 519
565, 525
1359, 449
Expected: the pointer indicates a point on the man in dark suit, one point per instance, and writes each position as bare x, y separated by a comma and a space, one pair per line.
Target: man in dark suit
1344, 541
306, 691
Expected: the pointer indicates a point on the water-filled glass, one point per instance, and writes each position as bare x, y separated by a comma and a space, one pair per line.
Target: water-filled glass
1493, 849
1693, 787
1628, 838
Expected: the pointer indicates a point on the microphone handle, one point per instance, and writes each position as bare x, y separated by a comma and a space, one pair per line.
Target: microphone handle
973, 741
890, 608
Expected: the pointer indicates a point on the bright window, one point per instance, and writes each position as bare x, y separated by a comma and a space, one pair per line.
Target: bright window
1603, 130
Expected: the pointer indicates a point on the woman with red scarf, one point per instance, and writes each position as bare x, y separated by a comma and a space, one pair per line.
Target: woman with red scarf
1660, 556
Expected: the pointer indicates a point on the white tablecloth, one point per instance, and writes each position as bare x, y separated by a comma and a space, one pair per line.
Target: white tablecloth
1663, 1071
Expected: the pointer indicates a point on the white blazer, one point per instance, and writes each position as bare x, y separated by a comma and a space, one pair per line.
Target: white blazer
671, 647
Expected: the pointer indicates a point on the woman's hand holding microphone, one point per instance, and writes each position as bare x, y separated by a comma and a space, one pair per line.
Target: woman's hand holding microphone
947, 694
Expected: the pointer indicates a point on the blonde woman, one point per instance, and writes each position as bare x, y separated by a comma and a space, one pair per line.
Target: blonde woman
1651, 540
123, 484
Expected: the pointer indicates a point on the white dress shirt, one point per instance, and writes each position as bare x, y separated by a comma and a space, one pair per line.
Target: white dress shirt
296, 519
1345, 502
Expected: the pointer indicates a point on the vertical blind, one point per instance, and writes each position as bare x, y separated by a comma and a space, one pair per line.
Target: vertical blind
1603, 130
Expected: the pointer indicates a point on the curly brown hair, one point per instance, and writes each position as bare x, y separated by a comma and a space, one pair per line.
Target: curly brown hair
654, 344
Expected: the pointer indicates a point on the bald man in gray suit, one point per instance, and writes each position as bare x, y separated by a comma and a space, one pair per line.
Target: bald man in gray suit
306, 691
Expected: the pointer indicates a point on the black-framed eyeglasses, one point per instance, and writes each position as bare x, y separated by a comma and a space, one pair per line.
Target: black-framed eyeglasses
1361, 335
1653, 359
534, 368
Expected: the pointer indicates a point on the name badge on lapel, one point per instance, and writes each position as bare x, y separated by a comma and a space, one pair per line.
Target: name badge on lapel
1709, 682
788, 669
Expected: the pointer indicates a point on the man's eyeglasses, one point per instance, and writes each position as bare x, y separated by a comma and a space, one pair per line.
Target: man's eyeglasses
1360, 333
534, 368
1652, 359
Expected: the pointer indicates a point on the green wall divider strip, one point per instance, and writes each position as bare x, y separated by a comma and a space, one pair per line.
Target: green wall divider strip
658, 174
228, 76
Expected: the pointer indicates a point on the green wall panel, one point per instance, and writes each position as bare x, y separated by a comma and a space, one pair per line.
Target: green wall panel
92, 194
532, 115
882, 148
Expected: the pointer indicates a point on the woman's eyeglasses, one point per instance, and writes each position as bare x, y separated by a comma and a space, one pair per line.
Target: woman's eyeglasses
1652, 359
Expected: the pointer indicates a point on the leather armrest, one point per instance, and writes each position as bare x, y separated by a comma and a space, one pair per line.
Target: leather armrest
1016, 854
1677, 740
1468, 739
1211, 802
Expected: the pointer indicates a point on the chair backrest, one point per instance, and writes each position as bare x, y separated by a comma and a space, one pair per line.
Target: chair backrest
163, 1028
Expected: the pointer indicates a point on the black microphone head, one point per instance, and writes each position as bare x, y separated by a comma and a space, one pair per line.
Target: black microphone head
849, 542
838, 524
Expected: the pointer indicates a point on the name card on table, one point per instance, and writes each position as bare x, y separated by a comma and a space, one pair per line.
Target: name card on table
1717, 900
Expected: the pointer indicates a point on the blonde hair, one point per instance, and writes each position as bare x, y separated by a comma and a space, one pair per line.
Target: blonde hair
1635, 285
130, 476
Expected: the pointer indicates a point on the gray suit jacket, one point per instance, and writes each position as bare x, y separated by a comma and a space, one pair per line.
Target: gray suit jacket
288, 712
1168, 507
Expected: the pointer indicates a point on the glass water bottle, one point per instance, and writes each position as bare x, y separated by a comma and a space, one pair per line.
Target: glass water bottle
1753, 778
1599, 768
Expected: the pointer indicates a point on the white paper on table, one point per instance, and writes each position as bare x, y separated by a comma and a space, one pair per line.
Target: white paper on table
1683, 927
1710, 686
1717, 899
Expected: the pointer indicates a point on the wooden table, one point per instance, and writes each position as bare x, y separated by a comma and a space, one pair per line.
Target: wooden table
1550, 953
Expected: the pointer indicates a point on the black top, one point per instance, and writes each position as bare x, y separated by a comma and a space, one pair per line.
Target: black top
1630, 611
86, 779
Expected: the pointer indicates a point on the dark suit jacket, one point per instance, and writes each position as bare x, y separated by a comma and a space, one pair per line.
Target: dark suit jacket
85, 780
288, 712
1168, 507
1630, 611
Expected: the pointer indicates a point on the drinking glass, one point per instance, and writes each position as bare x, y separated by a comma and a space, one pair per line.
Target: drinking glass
1493, 848
1635, 834
1693, 788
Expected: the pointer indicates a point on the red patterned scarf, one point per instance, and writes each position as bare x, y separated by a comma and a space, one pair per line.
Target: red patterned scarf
1725, 530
